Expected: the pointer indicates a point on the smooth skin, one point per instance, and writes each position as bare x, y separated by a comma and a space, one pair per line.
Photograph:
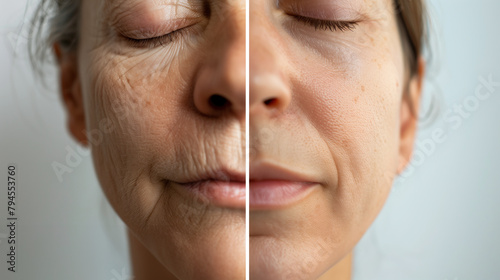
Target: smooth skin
335, 106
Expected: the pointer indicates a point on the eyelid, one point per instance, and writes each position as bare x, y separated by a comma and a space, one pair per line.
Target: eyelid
161, 40
148, 19
159, 30
323, 9
332, 25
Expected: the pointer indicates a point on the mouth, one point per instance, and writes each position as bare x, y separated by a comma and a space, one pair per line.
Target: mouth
224, 189
274, 187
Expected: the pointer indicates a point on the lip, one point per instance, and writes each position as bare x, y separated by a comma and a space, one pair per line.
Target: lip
222, 188
274, 186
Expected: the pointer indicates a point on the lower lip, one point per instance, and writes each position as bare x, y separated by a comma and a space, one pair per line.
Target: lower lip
271, 194
219, 193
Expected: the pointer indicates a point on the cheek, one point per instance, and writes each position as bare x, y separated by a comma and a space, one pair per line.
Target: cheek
139, 98
131, 103
355, 110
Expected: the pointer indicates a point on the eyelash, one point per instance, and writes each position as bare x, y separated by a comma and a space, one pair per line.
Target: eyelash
154, 42
331, 25
164, 40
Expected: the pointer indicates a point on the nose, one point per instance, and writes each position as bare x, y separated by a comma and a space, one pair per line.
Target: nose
220, 84
270, 92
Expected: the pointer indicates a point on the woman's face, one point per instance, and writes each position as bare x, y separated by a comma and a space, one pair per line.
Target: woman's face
329, 129
155, 126
165, 118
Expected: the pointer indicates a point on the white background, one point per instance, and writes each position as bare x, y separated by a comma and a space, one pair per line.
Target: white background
440, 222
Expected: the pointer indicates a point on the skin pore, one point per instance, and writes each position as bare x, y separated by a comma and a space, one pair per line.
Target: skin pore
137, 92
331, 104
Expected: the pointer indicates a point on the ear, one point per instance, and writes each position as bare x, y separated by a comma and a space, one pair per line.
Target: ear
410, 106
71, 93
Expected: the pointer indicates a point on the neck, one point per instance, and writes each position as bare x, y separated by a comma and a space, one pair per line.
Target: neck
144, 265
341, 271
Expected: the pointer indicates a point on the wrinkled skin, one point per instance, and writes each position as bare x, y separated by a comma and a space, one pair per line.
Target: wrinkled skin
149, 123
338, 115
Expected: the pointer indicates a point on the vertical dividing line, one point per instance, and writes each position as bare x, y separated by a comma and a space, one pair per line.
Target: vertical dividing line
247, 137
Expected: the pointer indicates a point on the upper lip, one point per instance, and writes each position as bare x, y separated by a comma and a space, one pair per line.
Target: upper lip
260, 170
265, 170
223, 175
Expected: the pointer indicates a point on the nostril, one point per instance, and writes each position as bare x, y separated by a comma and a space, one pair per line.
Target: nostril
271, 102
218, 101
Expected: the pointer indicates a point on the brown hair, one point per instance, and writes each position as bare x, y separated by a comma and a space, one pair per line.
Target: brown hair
411, 17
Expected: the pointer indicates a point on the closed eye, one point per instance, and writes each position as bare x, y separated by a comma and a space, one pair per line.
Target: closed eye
332, 25
162, 40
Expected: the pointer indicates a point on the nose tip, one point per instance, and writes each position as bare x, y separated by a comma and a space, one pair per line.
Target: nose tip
220, 83
269, 84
